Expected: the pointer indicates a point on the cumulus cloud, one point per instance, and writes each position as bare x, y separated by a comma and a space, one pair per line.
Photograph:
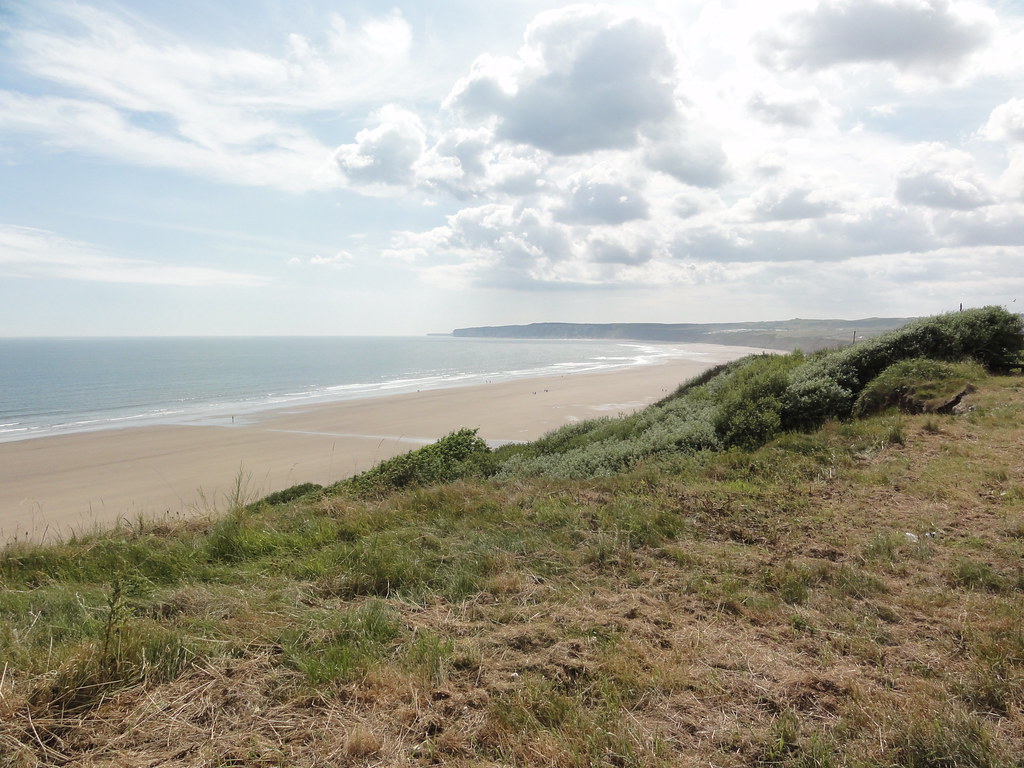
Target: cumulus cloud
588, 78
1001, 225
937, 177
470, 163
689, 157
387, 152
928, 36
791, 112
27, 252
597, 200
618, 251
500, 245
686, 204
1006, 122
469, 147
880, 228
792, 203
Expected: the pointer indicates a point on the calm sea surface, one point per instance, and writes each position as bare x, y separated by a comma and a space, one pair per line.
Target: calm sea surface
54, 386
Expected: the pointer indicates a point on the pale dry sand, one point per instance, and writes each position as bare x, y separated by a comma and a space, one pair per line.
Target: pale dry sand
53, 486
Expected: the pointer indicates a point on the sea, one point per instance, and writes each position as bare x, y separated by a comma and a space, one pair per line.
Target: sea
57, 386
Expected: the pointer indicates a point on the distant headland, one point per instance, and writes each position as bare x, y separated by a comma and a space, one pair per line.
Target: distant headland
808, 335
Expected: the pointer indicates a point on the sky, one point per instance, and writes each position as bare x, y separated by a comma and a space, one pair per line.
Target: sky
350, 167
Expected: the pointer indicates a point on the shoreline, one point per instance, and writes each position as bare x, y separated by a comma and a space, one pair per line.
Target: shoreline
58, 485
177, 412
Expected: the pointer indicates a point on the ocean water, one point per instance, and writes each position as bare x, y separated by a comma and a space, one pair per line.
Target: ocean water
57, 386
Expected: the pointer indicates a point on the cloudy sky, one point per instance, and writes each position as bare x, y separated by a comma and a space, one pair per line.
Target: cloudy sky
351, 167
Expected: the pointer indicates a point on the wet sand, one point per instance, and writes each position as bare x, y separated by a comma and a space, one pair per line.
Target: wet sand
53, 486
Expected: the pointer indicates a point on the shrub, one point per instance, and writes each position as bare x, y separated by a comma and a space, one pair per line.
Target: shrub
749, 423
989, 335
750, 400
810, 401
457, 455
826, 386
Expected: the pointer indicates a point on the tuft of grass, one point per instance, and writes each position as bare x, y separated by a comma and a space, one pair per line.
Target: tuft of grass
340, 647
951, 739
430, 655
968, 573
124, 650
895, 434
794, 582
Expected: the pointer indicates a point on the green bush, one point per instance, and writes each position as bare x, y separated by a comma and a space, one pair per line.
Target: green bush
750, 401
828, 384
457, 455
989, 335
749, 423
811, 401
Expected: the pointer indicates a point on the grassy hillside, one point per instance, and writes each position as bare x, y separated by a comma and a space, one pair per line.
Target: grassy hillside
846, 594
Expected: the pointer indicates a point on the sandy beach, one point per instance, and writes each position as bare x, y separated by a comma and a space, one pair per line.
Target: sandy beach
53, 486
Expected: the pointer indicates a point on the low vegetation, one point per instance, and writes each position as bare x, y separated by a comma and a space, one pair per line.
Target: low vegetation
742, 404
721, 579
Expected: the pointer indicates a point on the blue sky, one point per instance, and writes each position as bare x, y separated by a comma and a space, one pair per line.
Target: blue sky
350, 168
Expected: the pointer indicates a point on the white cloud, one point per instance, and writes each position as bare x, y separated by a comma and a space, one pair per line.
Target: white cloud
505, 246
142, 69
933, 37
689, 157
387, 152
469, 147
689, 203
593, 198
619, 249
144, 97
790, 203
793, 111
292, 162
340, 260
562, 202
937, 177
36, 253
878, 228
1000, 225
1006, 122
587, 78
